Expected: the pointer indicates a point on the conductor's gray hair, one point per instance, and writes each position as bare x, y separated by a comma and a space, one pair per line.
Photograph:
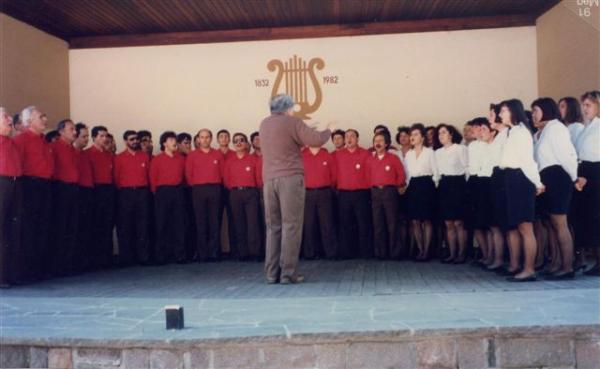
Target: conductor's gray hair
26, 115
281, 103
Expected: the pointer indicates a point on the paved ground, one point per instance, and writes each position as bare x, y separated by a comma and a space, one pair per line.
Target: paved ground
231, 300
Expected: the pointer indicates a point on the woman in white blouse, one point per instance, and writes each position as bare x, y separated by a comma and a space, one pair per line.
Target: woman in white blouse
523, 182
499, 221
452, 163
557, 163
422, 176
587, 196
570, 114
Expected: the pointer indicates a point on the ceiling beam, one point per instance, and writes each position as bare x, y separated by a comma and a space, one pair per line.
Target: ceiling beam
279, 33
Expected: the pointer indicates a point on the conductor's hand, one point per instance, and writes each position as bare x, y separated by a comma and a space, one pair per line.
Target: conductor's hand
332, 125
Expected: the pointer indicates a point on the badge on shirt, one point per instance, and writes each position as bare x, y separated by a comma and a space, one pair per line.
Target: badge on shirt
324, 163
216, 162
357, 167
143, 165
387, 168
248, 169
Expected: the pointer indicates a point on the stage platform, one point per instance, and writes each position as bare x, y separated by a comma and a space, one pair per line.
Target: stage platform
347, 314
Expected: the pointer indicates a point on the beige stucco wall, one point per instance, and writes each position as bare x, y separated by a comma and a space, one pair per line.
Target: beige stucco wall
394, 79
569, 49
34, 70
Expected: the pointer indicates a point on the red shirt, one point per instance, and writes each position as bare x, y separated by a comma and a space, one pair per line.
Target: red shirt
36, 154
166, 170
227, 155
387, 171
241, 172
259, 169
102, 165
351, 169
66, 162
10, 161
86, 178
131, 170
204, 168
319, 169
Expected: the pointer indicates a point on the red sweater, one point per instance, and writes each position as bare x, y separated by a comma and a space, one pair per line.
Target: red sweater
241, 172
131, 170
36, 154
387, 171
166, 170
66, 162
102, 165
86, 177
319, 170
351, 169
204, 168
10, 161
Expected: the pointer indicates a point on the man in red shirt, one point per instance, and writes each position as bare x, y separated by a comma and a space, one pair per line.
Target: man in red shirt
38, 167
64, 192
386, 177
338, 140
319, 179
241, 177
166, 178
10, 171
133, 214
85, 201
354, 199
104, 198
255, 142
204, 172
184, 147
223, 140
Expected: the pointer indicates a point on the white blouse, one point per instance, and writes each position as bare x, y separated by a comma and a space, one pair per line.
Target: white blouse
554, 147
575, 130
495, 149
422, 165
474, 151
486, 164
517, 153
452, 160
588, 142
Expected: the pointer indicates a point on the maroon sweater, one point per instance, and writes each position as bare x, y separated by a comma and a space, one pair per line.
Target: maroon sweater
281, 139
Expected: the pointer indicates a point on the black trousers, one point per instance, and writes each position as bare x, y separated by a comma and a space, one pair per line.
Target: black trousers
84, 247
386, 230
133, 222
319, 228
226, 207
190, 224
64, 227
169, 208
244, 209
103, 221
35, 220
355, 224
7, 215
207, 203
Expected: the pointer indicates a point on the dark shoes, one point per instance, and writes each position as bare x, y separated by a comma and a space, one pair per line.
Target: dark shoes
292, 280
595, 271
561, 276
529, 278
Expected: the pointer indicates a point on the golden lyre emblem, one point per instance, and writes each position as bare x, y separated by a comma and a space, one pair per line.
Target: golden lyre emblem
297, 75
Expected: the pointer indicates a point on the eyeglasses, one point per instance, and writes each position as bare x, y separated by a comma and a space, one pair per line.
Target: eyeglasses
239, 140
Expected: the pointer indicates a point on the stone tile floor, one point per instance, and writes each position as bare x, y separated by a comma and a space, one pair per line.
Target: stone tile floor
228, 299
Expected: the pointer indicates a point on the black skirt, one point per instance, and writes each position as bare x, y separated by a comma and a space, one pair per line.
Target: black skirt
500, 216
559, 191
586, 207
420, 198
520, 198
471, 202
452, 197
484, 208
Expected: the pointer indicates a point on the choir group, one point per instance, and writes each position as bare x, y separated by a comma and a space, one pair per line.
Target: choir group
524, 187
